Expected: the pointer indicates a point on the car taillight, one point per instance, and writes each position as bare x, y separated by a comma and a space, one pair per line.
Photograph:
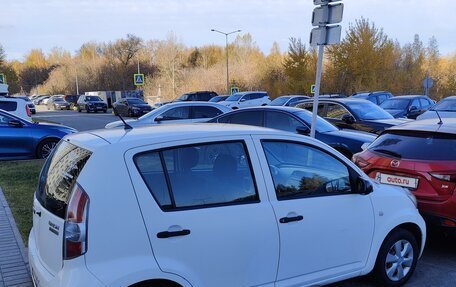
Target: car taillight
75, 236
361, 163
445, 176
27, 110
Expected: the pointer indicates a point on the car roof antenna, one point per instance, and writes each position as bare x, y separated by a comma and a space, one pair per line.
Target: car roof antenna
440, 122
126, 126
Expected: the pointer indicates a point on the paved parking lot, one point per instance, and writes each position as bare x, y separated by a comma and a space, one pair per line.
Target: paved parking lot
436, 268
80, 121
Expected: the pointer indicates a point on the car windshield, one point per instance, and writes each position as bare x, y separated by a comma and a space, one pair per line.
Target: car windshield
234, 98
323, 126
59, 100
217, 99
395, 104
280, 101
445, 106
135, 102
368, 111
93, 99
417, 146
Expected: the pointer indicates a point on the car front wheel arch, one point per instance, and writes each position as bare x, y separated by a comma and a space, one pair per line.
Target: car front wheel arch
156, 283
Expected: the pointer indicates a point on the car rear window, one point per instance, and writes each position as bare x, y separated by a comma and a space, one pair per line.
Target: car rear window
416, 145
59, 175
8, 106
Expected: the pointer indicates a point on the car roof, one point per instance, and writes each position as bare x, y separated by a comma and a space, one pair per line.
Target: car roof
194, 103
428, 125
292, 110
339, 100
408, 97
140, 136
250, 92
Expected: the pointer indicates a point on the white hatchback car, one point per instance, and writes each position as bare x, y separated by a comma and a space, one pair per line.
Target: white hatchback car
16, 106
173, 113
246, 99
215, 205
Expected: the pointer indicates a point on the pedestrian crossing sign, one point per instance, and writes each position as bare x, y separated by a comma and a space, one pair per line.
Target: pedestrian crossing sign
138, 79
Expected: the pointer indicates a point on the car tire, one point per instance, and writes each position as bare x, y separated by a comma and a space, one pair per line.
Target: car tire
129, 114
390, 269
114, 112
105, 111
45, 148
79, 110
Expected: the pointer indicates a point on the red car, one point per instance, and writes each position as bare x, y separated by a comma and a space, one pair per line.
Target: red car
420, 156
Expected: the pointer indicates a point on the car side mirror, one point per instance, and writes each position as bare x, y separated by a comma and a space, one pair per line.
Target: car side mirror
349, 119
159, 119
242, 100
15, 123
126, 104
303, 130
413, 108
364, 186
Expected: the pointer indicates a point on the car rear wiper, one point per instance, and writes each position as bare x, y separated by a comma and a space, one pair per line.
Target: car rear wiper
388, 152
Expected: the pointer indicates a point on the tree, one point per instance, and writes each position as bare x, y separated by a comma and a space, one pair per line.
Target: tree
299, 67
364, 60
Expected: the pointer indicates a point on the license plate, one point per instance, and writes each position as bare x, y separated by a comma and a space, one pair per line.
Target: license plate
403, 181
99, 108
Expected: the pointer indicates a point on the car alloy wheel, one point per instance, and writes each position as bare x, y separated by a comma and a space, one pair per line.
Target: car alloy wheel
399, 260
46, 147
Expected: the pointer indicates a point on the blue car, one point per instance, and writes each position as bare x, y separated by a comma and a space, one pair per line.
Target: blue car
22, 139
298, 121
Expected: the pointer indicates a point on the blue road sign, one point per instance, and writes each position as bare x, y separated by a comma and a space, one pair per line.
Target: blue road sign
234, 90
138, 79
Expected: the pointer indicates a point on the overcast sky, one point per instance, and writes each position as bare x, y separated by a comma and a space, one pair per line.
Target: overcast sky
27, 24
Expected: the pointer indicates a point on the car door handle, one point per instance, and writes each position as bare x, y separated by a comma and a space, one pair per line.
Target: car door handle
291, 219
168, 234
37, 212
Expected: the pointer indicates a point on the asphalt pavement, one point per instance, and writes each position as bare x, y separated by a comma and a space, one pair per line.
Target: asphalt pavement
82, 121
437, 267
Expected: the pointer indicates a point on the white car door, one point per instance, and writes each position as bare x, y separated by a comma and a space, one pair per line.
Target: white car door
326, 229
208, 219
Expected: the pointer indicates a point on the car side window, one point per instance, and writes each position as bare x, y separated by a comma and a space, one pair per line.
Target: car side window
180, 113
199, 176
309, 107
251, 118
8, 106
425, 103
4, 120
282, 121
205, 112
372, 99
382, 98
246, 97
416, 103
300, 170
336, 111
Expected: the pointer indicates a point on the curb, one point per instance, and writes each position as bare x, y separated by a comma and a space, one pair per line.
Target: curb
17, 234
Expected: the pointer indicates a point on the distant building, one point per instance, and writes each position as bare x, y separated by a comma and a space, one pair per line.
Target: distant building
111, 97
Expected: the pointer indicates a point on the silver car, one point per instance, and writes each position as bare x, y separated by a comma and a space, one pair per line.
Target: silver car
180, 112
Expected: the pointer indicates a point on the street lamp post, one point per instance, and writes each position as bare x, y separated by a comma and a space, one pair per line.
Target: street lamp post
227, 71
